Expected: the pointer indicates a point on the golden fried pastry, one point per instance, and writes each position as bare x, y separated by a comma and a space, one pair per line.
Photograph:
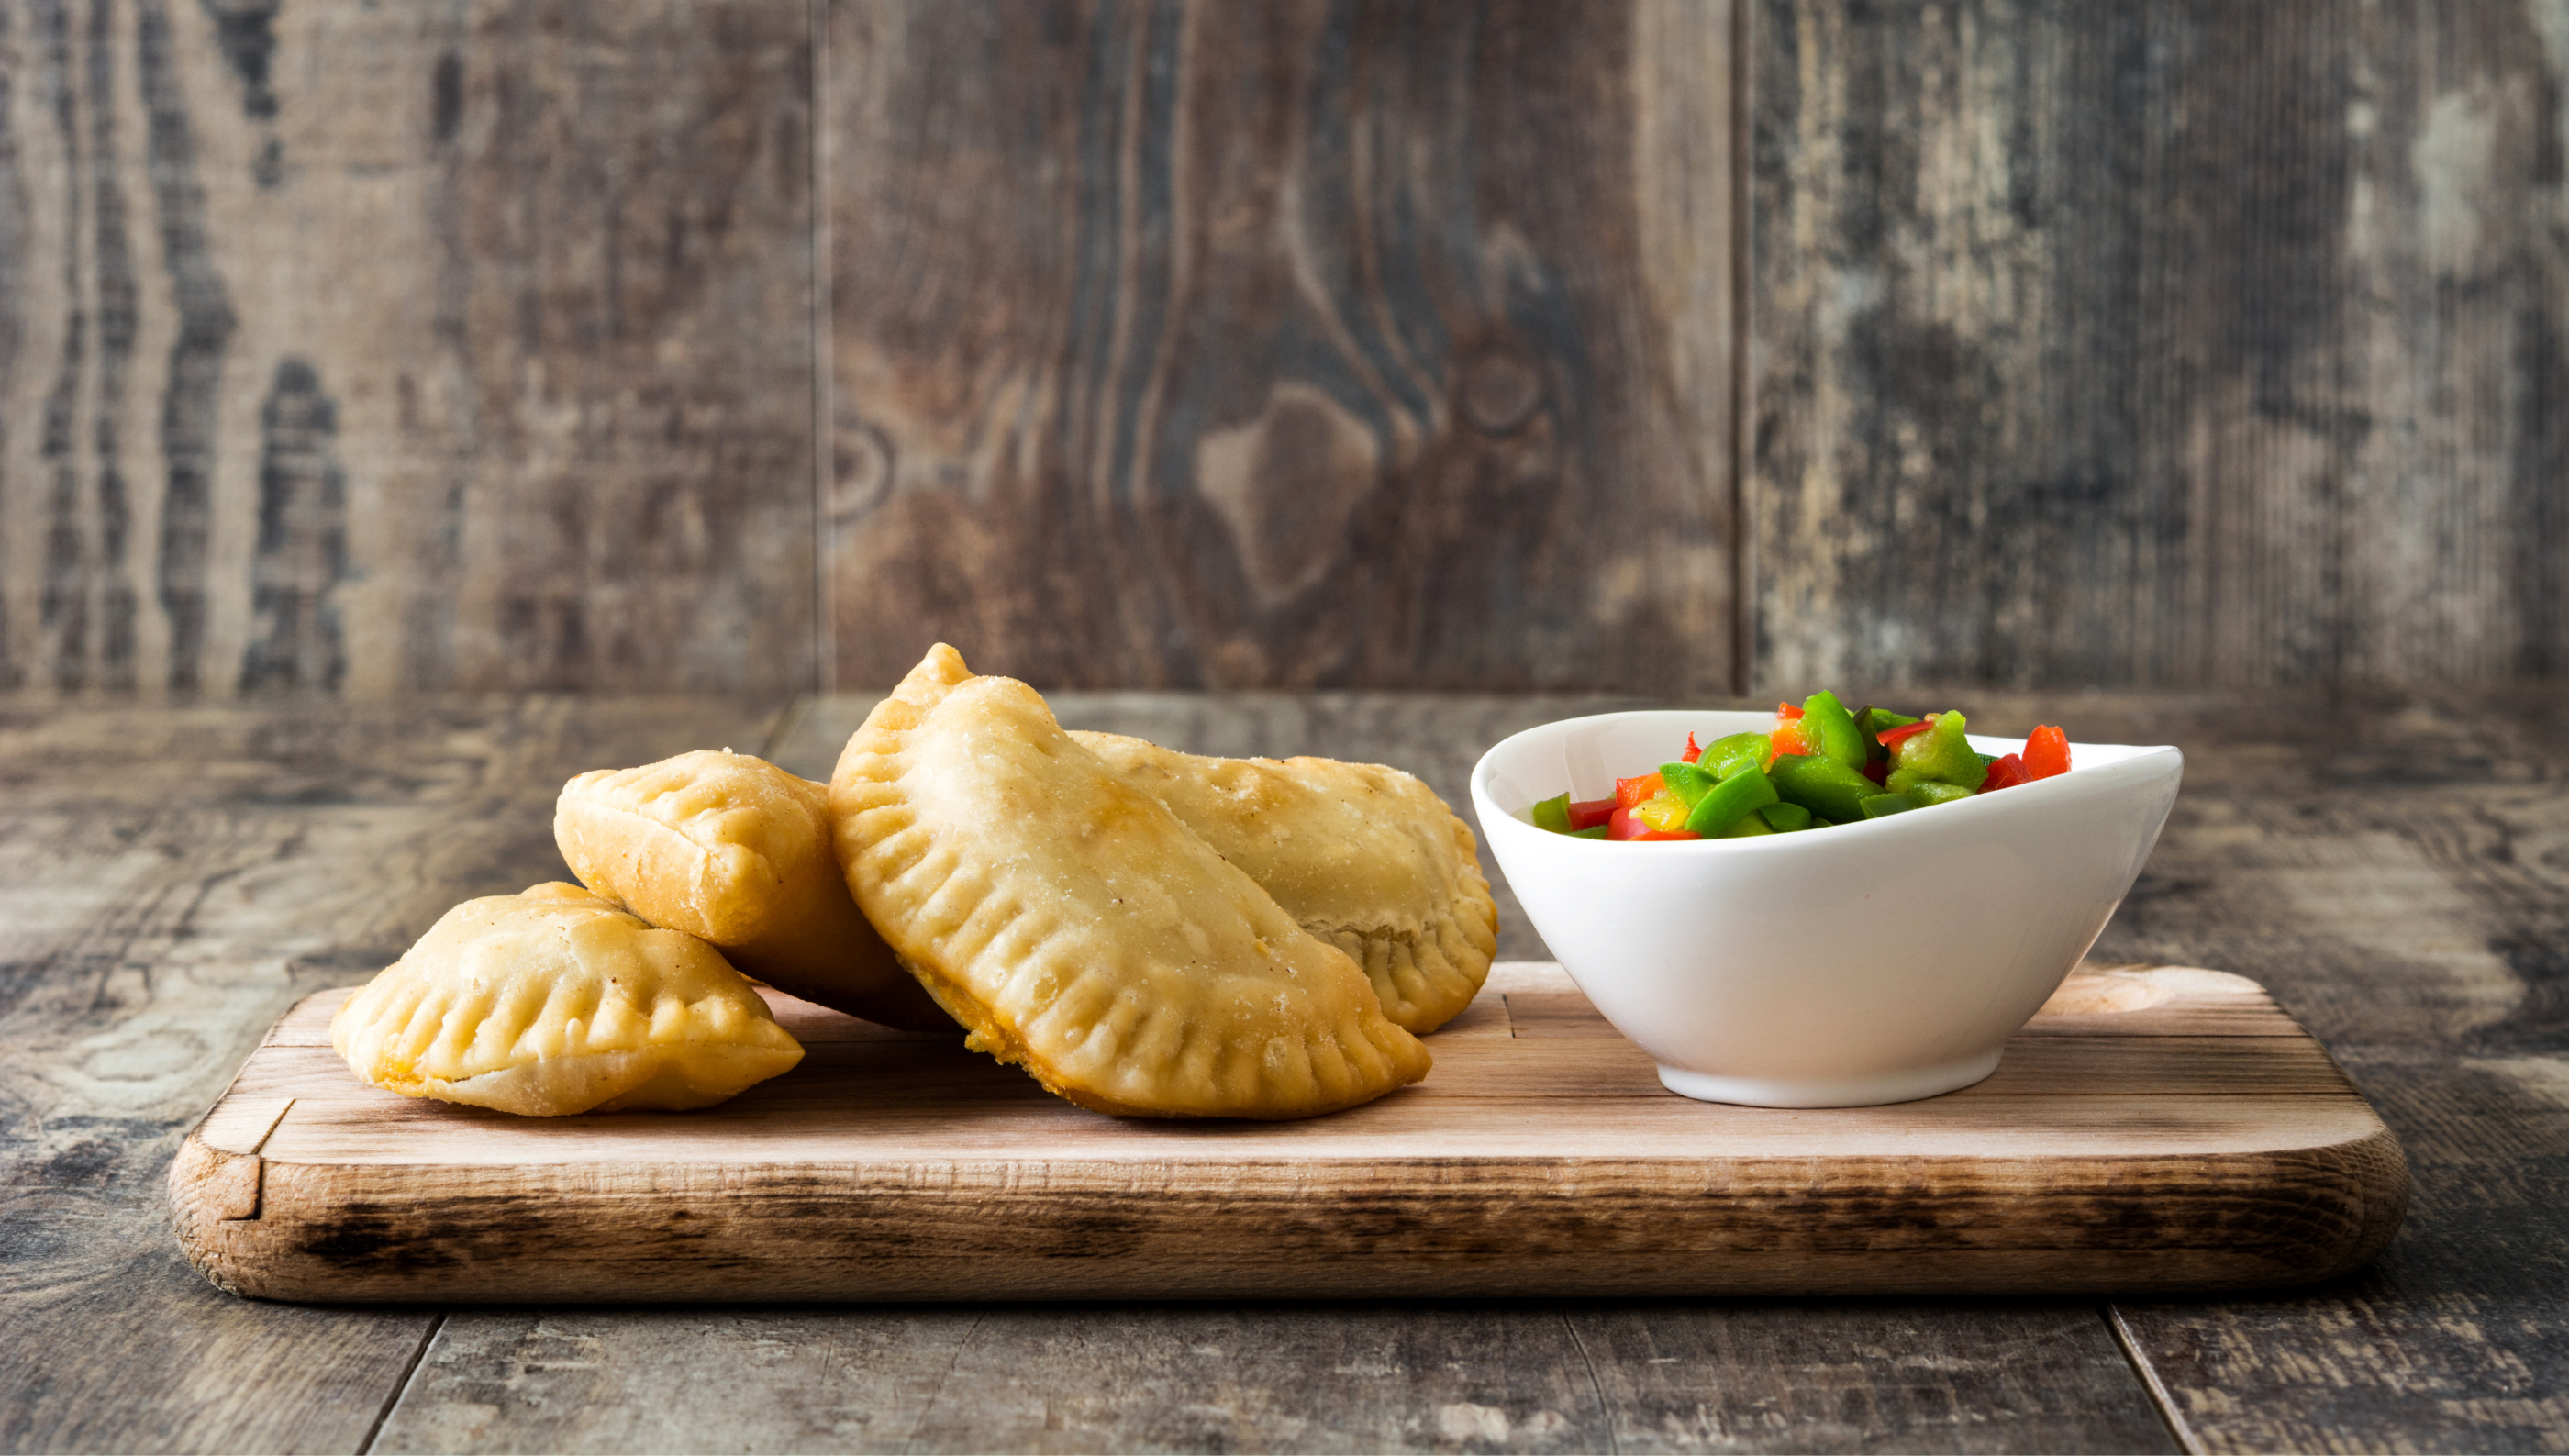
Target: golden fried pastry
1080, 931
736, 850
555, 1001
1364, 856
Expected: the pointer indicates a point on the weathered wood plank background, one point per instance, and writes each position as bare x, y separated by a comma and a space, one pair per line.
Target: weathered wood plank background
2161, 344
748, 345
370, 348
1289, 345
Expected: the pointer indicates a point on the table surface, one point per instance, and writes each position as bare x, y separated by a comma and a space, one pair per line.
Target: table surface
173, 876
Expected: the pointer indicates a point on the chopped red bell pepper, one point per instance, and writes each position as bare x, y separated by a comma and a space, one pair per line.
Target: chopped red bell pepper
1630, 793
2006, 773
1877, 770
1890, 737
1693, 752
1789, 735
1590, 813
1626, 824
2046, 753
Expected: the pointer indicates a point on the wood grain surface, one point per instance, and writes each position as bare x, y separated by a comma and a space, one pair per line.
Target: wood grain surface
1290, 345
1555, 1377
750, 345
903, 1167
2389, 864
365, 349
2160, 343
168, 882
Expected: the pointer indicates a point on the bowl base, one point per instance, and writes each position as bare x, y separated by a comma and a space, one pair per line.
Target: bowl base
1859, 1091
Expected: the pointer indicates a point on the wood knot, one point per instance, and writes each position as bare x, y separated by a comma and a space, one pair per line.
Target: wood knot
1500, 391
860, 469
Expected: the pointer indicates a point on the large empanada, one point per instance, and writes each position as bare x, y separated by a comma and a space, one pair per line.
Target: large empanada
1079, 929
1364, 856
555, 1001
737, 852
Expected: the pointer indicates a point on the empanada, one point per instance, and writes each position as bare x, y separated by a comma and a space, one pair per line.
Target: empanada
736, 850
1364, 856
555, 1001
1080, 931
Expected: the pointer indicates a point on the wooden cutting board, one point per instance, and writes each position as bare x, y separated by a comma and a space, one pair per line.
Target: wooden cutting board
2155, 1129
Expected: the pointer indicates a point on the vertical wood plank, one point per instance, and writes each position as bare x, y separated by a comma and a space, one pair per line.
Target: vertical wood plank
2170, 343
1211, 345
367, 349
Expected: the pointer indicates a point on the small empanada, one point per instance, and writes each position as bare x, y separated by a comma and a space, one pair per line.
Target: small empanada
1364, 856
1080, 931
555, 1001
736, 850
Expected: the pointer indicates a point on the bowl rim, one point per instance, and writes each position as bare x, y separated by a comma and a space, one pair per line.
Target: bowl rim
2137, 761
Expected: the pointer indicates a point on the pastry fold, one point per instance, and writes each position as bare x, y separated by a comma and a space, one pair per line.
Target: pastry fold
1080, 931
737, 852
554, 1001
1364, 856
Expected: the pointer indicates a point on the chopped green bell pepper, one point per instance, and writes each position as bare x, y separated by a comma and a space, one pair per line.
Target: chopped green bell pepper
1786, 818
1882, 804
1553, 814
1733, 800
1823, 786
1927, 791
1749, 827
1942, 753
1727, 756
1592, 832
1687, 782
1830, 731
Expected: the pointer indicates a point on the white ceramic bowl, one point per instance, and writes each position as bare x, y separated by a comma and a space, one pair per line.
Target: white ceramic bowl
1863, 964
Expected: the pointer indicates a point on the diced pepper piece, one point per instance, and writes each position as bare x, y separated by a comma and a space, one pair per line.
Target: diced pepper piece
2006, 773
1749, 827
1553, 814
1786, 712
1629, 793
1929, 791
1587, 814
1870, 721
2046, 753
1593, 831
1791, 738
1942, 754
1731, 799
1830, 729
1876, 770
1727, 756
1628, 825
1667, 814
1892, 738
1882, 804
1823, 786
1686, 781
1692, 753
1785, 818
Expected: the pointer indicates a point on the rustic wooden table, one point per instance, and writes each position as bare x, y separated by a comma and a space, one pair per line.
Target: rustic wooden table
171, 879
